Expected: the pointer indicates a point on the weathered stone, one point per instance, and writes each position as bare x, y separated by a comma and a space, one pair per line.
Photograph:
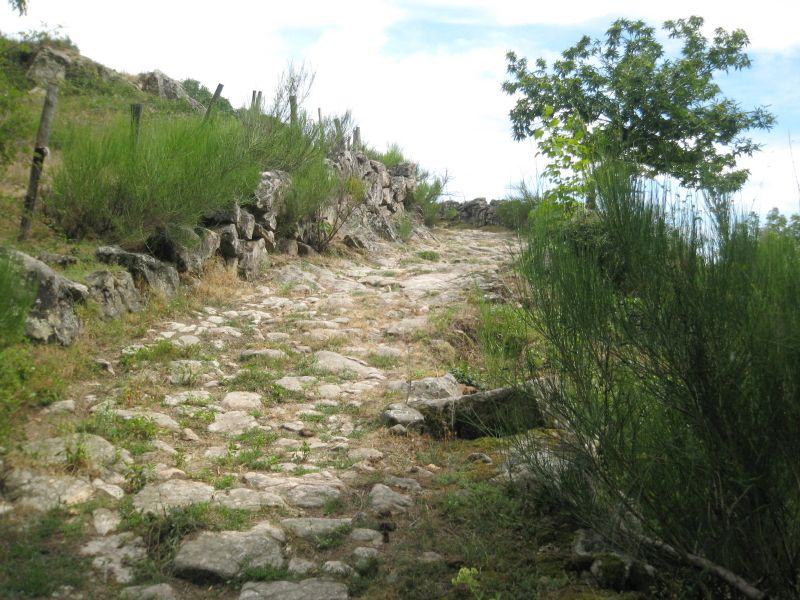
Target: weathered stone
368, 454
167, 88
332, 362
431, 558
160, 591
53, 259
431, 388
296, 384
115, 293
92, 449
184, 372
309, 589
198, 397
232, 423
247, 499
49, 65
309, 491
229, 244
407, 326
158, 418
400, 413
105, 521
305, 250
116, 555
370, 536
159, 497
52, 317
252, 260
260, 232
241, 401
245, 225
311, 527
220, 556
268, 197
288, 247
188, 249
269, 353
384, 501
146, 270
300, 566
480, 457
405, 483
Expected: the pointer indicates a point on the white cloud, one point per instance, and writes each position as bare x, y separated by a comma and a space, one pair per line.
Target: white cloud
442, 103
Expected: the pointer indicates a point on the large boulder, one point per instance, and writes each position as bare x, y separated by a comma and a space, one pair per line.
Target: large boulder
221, 555
188, 249
269, 196
146, 270
52, 318
253, 258
160, 85
49, 65
115, 293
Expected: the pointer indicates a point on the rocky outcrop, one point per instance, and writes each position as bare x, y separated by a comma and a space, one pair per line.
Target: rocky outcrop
115, 293
477, 212
49, 65
188, 249
52, 318
160, 85
146, 270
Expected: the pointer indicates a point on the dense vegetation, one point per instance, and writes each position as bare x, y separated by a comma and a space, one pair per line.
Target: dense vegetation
669, 328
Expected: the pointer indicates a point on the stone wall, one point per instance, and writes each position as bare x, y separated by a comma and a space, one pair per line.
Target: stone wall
477, 212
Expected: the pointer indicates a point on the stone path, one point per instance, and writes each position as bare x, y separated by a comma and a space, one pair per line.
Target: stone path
271, 406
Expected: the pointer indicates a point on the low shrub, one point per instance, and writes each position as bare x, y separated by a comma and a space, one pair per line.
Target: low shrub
391, 158
124, 190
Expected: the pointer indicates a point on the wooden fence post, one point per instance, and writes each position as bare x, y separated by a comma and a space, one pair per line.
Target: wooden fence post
253, 100
356, 138
321, 125
258, 103
214, 98
136, 120
40, 152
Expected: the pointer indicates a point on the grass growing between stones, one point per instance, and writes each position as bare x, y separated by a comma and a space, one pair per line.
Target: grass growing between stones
40, 557
135, 434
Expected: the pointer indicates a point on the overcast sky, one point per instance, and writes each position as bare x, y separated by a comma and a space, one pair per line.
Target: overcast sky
427, 75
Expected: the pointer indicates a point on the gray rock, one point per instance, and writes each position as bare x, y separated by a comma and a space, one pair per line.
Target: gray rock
368, 454
105, 521
480, 457
260, 232
407, 326
188, 249
157, 498
431, 558
384, 501
300, 566
405, 483
229, 244
220, 556
295, 384
332, 362
42, 492
158, 418
432, 388
49, 65
160, 591
93, 449
52, 317
115, 293
194, 397
269, 353
146, 270
54, 259
404, 415
398, 430
245, 225
116, 555
337, 567
370, 536
160, 85
268, 197
309, 589
305, 250
309, 491
241, 401
288, 247
310, 527
232, 423
184, 372
247, 499
253, 259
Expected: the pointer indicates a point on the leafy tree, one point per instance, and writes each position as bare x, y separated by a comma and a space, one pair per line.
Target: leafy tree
21, 6
624, 94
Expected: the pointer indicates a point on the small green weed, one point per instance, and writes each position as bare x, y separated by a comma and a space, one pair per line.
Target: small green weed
429, 255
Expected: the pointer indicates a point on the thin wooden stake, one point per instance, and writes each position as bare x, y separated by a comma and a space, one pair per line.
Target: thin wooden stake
214, 99
258, 102
321, 125
40, 152
253, 100
136, 121
357, 138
